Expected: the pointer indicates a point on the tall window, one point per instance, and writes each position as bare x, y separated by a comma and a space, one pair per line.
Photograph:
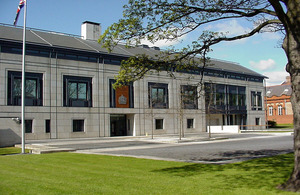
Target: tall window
28, 126
158, 95
219, 98
232, 95
220, 94
256, 100
280, 110
77, 91
257, 121
190, 123
121, 97
242, 96
271, 111
47, 126
189, 97
33, 89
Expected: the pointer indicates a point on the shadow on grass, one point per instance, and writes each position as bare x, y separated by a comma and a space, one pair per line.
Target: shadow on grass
258, 173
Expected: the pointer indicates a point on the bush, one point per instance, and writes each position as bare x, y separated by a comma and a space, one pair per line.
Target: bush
272, 124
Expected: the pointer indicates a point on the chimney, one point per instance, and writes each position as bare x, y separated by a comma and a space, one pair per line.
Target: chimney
90, 30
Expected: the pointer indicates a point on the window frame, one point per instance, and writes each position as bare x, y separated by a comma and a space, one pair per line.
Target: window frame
28, 125
158, 87
161, 124
280, 109
190, 123
188, 102
112, 94
75, 123
270, 110
14, 99
256, 100
77, 102
47, 126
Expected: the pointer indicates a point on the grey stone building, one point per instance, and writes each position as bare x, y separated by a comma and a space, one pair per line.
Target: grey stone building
69, 91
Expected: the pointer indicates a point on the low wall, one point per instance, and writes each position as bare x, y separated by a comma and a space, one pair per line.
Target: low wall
224, 129
8, 138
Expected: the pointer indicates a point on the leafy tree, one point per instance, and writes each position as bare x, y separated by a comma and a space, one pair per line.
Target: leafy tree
156, 20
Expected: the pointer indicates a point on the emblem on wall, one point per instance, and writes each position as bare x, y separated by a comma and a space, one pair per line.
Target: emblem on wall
122, 97
122, 100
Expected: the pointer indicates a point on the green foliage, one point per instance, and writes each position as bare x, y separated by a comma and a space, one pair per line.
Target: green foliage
272, 124
70, 173
155, 20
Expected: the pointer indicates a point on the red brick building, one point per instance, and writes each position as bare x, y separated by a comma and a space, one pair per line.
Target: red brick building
279, 107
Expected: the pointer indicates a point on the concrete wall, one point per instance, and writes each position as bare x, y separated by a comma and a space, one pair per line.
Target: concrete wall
97, 117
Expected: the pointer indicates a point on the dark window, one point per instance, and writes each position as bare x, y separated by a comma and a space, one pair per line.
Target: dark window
220, 94
78, 125
158, 95
121, 97
112, 61
47, 126
28, 126
242, 96
220, 98
33, 89
29, 51
257, 121
75, 56
259, 101
256, 100
77, 91
232, 95
189, 97
256, 79
159, 123
190, 123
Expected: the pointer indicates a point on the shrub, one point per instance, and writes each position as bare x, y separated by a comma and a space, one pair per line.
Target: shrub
272, 124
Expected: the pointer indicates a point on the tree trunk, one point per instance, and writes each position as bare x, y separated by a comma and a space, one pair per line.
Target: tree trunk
292, 49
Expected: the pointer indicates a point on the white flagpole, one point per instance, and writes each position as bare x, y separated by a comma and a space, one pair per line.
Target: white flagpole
23, 80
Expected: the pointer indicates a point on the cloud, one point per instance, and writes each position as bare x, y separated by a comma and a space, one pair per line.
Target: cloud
162, 43
166, 42
275, 77
263, 64
271, 35
231, 28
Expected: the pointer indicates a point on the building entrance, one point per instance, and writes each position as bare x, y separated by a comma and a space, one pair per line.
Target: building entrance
118, 125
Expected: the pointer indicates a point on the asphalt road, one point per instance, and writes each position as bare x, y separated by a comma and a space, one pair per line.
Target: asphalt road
237, 148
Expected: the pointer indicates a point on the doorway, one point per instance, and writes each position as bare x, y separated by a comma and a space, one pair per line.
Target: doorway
118, 125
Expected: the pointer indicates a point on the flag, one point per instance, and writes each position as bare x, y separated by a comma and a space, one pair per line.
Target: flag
21, 5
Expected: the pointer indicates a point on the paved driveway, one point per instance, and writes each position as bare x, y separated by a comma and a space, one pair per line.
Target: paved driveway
224, 148
216, 151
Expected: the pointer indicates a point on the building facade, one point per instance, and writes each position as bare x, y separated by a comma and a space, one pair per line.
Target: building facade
278, 103
69, 91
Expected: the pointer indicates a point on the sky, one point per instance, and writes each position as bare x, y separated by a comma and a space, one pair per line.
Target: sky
261, 53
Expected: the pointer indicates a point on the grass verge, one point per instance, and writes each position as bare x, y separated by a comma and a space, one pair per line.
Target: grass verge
11, 150
284, 126
71, 173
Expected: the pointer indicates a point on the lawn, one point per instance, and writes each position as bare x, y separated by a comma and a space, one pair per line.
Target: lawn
72, 173
284, 126
11, 150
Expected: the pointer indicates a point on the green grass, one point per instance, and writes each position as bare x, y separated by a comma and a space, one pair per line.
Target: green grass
71, 173
11, 150
284, 126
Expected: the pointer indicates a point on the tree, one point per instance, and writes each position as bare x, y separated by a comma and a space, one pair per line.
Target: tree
156, 20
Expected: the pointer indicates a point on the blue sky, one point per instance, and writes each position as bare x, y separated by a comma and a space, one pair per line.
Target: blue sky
261, 53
